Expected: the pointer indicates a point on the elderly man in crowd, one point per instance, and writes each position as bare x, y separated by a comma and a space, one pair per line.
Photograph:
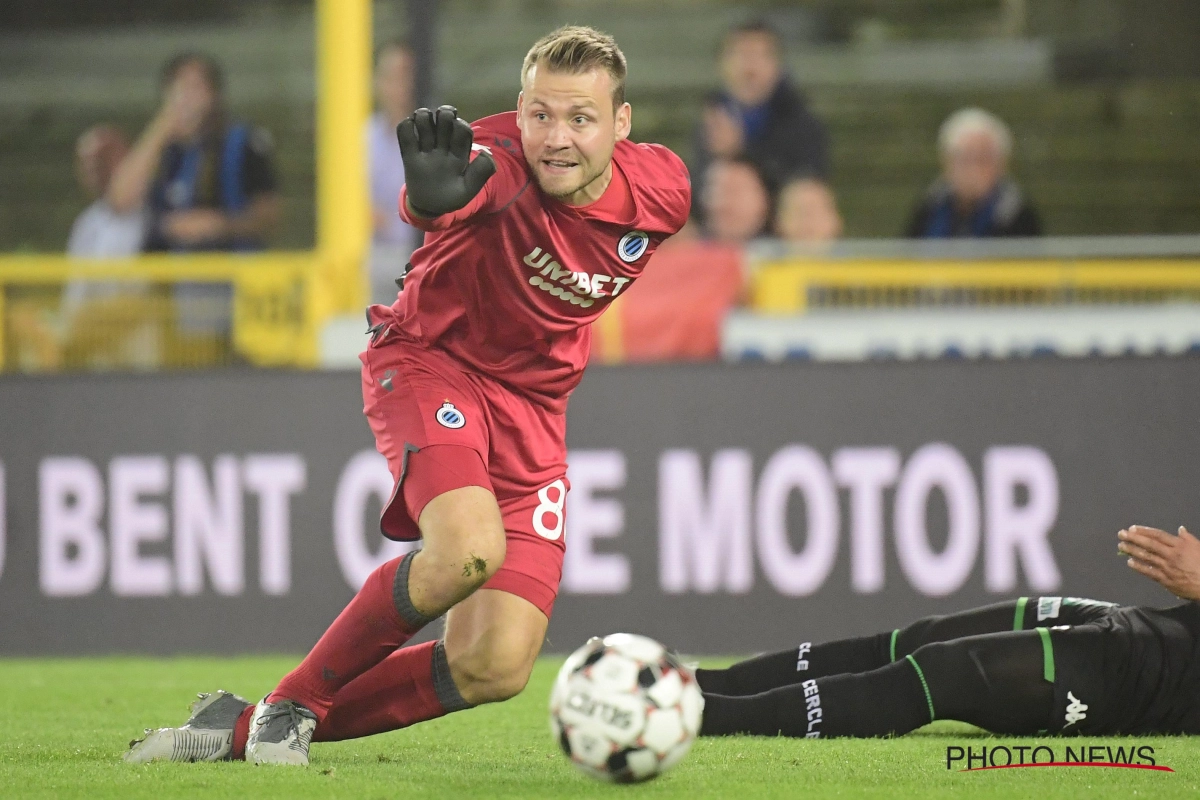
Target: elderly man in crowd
974, 197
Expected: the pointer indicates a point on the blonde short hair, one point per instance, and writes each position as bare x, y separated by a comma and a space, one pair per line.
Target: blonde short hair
576, 49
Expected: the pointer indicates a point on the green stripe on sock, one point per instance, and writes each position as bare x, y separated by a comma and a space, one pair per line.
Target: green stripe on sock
924, 685
1019, 616
1047, 655
895, 634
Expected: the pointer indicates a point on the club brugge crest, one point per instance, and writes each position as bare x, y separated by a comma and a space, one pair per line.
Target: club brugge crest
632, 246
450, 417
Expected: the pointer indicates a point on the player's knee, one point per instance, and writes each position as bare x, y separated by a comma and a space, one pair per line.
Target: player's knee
947, 661
480, 558
464, 534
954, 677
481, 679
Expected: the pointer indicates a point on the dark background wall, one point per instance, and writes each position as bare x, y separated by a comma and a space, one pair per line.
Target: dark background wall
235, 511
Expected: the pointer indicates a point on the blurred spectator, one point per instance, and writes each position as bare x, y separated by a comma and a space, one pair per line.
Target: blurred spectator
807, 213
209, 185
102, 325
101, 231
974, 197
675, 309
208, 181
393, 241
758, 113
736, 201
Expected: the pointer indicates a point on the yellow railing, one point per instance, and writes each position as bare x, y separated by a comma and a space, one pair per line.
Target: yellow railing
280, 300
276, 306
795, 285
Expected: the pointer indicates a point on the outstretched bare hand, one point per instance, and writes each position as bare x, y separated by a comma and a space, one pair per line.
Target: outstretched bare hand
1171, 561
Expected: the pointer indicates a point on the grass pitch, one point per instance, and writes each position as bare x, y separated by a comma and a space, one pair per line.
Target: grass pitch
64, 724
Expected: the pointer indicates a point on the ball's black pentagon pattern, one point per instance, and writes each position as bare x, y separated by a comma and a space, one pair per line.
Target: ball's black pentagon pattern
594, 657
618, 762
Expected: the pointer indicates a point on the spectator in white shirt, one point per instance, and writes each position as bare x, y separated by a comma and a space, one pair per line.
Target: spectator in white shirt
101, 231
103, 324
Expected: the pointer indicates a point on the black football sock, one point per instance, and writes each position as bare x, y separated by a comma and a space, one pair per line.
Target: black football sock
887, 700
996, 618
861, 654
1000, 682
786, 667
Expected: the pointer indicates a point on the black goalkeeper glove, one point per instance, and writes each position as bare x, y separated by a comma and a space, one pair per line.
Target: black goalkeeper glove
438, 170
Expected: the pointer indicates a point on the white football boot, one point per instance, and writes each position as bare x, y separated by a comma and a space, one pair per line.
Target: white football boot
280, 733
206, 736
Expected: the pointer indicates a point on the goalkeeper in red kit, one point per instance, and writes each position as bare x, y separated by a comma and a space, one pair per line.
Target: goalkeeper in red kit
535, 221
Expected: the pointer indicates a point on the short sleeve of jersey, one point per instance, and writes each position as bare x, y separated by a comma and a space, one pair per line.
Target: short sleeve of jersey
509, 181
258, 167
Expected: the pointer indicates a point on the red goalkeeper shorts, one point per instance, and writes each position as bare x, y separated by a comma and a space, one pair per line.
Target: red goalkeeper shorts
442, 428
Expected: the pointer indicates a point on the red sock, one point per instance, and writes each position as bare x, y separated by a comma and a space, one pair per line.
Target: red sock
378, 620
407, 687
241, 732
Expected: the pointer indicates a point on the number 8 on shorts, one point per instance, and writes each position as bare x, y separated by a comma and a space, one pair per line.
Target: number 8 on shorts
552, 498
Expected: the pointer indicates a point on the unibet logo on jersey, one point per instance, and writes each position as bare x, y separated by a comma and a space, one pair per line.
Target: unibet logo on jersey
581, 289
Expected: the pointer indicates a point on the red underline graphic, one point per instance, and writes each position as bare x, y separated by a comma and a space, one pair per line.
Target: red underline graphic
1074, 764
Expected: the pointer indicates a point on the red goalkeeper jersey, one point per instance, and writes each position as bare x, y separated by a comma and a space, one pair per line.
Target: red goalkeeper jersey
509, 284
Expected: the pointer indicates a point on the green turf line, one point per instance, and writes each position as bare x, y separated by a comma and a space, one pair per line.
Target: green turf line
64, 724
895, 634
1047, 655
924, 685
1019, 616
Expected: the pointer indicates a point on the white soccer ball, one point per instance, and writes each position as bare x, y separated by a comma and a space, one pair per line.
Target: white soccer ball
624, 708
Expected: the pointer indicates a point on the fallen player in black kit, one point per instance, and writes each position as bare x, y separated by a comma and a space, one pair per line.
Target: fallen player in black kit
1059, 665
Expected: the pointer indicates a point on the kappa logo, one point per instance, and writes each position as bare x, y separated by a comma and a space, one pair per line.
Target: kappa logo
632, 246
386, 382
450, 417
1075, 710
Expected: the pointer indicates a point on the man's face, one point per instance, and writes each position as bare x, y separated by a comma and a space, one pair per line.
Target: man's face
735, 202
89, 165
569, 129
97, 154
194, 97
750, 67
973, 166
394, 82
